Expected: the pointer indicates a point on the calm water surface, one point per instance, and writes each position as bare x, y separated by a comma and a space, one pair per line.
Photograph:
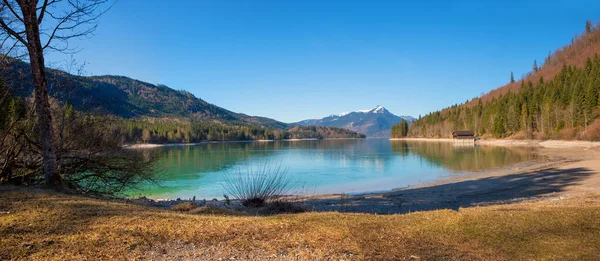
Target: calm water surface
325, 166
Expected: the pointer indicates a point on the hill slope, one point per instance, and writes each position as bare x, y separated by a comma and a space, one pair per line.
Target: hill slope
574, 54
375, 122
125, 97
559, 100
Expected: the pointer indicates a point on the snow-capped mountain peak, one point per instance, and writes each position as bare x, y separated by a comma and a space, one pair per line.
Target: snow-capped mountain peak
377, 109
374, 122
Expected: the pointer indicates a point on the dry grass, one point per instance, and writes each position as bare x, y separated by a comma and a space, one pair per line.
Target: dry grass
593, 131
191, 208
48, 225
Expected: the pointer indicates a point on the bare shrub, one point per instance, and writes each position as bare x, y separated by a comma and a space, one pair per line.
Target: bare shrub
184, 207
593, 131
520, 135
90, 159
568, 133
254, 186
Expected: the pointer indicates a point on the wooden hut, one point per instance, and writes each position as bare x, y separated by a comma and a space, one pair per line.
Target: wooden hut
463, 135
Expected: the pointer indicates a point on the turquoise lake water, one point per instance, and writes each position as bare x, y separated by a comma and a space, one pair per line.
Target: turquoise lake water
322, 166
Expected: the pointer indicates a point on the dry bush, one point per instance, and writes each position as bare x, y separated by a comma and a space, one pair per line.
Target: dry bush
568, 133
539, 136
90, 158
520, 135
257, 185
593, 131
184, 207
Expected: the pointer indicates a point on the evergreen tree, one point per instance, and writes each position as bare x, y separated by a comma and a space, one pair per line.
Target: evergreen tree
5, 103
400, 130
570, 100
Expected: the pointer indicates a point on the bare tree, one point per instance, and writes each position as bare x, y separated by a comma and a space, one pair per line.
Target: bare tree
146, 136
36, 26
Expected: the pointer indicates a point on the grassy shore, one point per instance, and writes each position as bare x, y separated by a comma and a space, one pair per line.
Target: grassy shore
38, 224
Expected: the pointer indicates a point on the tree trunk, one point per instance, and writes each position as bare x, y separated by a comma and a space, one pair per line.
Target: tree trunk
42, 104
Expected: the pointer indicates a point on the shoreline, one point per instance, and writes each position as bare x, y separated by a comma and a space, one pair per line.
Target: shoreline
562, 172
557, 144
566, 172
156, 145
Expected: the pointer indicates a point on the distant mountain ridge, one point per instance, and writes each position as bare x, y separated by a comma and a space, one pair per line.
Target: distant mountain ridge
126, 97
165, 112
375, 122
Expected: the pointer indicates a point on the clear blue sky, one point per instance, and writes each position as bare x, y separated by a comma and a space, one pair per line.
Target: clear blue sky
293, 60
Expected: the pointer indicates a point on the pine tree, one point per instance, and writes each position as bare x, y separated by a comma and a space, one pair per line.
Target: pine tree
524, 118
403, 128
512, 77
5, 105
591, 100
570, 99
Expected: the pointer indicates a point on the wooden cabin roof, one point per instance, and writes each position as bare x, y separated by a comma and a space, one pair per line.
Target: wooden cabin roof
463, 133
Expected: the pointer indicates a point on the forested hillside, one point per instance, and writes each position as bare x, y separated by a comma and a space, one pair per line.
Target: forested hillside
125, 97
320, 132
141, 112
564, 105
182, 131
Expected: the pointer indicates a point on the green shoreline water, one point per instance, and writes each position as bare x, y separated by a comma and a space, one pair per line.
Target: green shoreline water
322, 166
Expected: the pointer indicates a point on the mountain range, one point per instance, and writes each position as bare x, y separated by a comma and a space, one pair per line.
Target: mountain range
129, 98
375, 122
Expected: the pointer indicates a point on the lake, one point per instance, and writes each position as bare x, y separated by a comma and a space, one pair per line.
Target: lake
322, 166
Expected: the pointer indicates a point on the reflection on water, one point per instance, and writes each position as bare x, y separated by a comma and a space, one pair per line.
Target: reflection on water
326, 166
459, 157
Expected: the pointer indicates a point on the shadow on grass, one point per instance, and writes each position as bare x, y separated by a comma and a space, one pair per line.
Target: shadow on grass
491, 190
